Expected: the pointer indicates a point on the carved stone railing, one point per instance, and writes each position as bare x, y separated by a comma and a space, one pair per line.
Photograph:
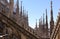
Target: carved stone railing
7, 21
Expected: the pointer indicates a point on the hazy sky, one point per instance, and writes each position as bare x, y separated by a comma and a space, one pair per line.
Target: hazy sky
36, 8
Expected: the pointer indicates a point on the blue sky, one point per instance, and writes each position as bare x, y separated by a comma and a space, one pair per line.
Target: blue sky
36, 8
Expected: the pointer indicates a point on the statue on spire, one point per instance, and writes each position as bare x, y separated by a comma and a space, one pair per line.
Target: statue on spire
17, 10
46, 24
21, 9
51, 21
43, 20
11, 7
36, 25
